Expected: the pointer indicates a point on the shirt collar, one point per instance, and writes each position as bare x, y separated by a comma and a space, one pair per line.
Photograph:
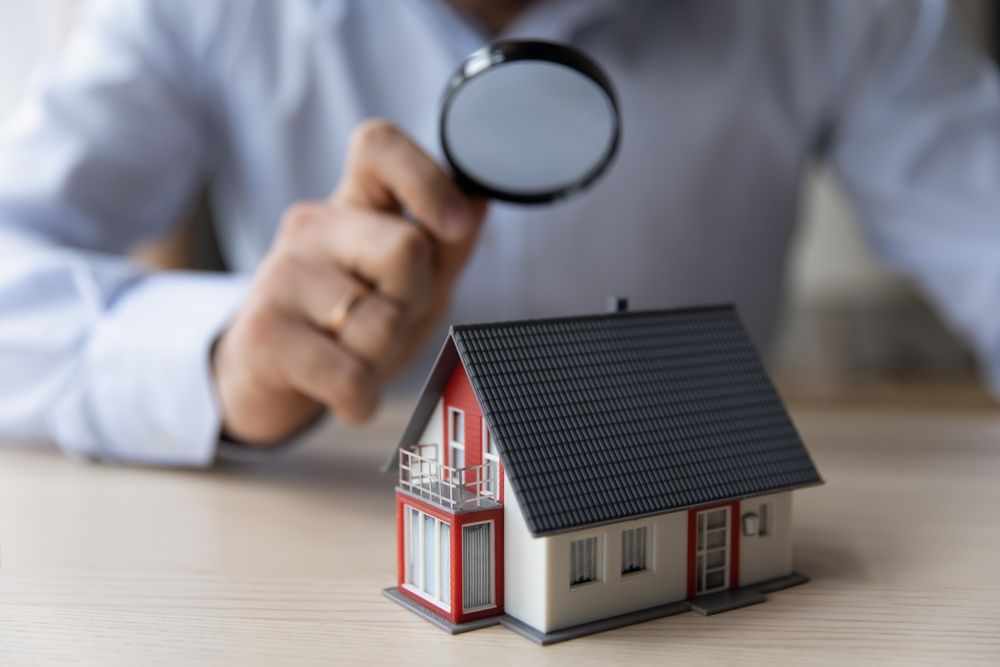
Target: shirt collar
560, 20
554, 20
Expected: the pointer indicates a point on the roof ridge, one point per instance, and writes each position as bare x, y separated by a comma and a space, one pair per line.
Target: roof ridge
629, 314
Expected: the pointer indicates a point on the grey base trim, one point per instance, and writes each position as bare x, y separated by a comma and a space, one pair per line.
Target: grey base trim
781, 583
706, 605
437, 619
556, 636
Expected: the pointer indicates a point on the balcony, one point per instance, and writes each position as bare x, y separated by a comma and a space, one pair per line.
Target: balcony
475, 487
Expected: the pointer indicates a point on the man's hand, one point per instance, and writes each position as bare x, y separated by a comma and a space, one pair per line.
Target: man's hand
347, 292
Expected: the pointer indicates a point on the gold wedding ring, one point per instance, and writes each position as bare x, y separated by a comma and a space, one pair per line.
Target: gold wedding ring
341, 311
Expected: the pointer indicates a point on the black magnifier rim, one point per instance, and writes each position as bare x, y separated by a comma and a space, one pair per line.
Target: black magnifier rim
511, 50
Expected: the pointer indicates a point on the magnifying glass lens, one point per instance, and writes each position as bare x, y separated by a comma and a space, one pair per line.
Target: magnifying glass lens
537, 123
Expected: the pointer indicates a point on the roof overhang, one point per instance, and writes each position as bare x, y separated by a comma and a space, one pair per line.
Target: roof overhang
685, 508
444, 366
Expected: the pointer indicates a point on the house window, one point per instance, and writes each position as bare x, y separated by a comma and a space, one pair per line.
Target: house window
477, 566
634, 549
766, 516
428, 556
456, 438
491, 461
583, 561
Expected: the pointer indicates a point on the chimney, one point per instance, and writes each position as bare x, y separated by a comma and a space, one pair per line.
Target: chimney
617, 304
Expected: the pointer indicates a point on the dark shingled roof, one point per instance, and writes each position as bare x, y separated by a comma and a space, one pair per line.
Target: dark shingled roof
614, 416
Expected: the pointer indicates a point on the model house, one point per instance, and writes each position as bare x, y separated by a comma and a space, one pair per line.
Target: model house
567, 476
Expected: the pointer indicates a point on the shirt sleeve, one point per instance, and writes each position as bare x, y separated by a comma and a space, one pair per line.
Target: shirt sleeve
106, 359
916, 145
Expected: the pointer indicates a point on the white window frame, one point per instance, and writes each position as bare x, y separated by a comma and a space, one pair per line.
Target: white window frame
648, 556
598, 564
493, 481
453, 443
493, 567
417, 588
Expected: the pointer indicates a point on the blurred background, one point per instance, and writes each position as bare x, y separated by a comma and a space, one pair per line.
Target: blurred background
852, 331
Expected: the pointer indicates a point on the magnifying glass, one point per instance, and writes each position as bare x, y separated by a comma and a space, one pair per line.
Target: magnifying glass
529, 122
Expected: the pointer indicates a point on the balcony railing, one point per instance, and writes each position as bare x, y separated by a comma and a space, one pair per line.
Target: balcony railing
454, 488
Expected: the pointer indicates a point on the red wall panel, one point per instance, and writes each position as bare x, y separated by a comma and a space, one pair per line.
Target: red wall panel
458, 393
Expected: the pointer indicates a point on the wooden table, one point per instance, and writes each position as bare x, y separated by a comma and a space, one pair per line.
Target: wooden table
284, 562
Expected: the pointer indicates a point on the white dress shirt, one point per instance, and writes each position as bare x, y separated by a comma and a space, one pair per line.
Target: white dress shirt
723, 103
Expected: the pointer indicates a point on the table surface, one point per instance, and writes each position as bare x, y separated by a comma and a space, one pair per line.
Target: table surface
284, 562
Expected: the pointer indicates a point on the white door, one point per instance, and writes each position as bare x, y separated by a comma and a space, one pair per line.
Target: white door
712, 553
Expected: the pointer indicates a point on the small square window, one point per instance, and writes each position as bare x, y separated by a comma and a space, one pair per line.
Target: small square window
584, 564
766, 516
634, 549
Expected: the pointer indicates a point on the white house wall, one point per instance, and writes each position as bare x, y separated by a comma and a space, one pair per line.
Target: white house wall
537, 577
664, 580
434, 430
768, 556
524, 563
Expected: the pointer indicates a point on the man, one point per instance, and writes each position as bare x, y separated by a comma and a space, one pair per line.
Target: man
334, 292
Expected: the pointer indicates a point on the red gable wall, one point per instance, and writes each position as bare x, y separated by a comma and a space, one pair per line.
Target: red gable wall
458, 394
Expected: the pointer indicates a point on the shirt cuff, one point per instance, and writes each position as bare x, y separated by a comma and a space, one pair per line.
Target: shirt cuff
146, 393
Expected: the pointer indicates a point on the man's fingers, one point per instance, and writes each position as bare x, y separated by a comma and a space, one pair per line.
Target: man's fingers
373, 328
383, 250
392, 254
318, 367
388, 170
291, 349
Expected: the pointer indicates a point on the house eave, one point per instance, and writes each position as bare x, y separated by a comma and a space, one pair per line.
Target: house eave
683, 508
432, 390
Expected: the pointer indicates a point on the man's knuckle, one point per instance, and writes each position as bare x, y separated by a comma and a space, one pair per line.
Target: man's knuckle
299, 217
260, 329
372, 132
351, 378
388, 326
394, 319
409, 250
281, 271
